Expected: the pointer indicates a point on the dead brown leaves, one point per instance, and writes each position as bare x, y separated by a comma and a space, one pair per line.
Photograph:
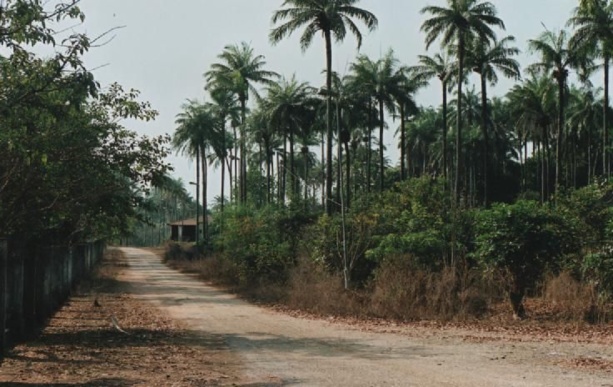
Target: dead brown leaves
81, 346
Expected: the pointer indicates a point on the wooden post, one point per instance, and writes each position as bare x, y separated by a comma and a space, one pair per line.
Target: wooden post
3, 289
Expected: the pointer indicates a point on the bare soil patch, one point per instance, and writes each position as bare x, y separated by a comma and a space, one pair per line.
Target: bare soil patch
84, 345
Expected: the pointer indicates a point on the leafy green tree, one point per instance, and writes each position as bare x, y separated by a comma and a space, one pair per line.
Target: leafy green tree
332, 18
458, 23
522, 240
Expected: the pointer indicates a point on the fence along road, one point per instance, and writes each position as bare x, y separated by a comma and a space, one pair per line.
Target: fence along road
281, 350
35, 281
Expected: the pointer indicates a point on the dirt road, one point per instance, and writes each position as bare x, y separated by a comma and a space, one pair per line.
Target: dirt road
281, 350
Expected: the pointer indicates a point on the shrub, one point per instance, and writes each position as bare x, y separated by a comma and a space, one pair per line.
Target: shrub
522, 240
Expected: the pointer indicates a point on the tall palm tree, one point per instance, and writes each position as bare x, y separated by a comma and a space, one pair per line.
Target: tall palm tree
384, 80
197, 129
594, 22
407, 107
456, 24
440, 67
486, 58
534, 104
265, 134
558, 57
238, 70
287, 104
584, 117
332, 18
225, 107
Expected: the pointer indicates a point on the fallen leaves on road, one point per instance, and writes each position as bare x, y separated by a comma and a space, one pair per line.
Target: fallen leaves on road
83, 346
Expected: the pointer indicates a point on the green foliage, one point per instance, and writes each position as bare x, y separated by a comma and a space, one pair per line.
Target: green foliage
261, 243
415, 220
69, 170
523, 238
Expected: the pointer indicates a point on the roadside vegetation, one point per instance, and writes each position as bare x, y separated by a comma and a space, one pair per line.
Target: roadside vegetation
493, 198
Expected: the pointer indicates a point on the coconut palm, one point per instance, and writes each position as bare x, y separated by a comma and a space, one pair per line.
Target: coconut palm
385, 81
197, 129
594, 22
456, 24
558, 57
238, 70
440, 67
486, 59
332, 18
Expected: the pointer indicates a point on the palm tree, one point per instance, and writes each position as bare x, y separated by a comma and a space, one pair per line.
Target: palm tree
384, 81
287, 105
440, 67
332, 18
584, 116
407, 107
197, 129
534, 104
594, 22
456, 24
486, 58
225, 106
238, 71
558, 57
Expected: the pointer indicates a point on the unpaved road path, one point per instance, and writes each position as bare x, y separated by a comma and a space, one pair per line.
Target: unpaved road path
279, 350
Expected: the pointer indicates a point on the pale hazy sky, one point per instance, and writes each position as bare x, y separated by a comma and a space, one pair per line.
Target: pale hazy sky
167, 45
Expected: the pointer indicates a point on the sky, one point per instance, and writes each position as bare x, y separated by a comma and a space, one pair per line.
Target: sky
165, 47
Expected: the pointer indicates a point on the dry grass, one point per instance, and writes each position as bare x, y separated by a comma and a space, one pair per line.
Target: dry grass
402, 292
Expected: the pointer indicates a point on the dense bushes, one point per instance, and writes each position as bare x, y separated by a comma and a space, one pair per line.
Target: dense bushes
410, 254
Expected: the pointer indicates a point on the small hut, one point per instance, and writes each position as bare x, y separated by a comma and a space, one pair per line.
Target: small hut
184, 230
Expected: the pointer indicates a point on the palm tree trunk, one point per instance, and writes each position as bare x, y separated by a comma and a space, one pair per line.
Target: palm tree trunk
268, 162
223, 167
459, 161
283, 191
445, 161
369, 158
228, 162
402, 144
197, 195
381, 127
589, 156
305, 153
323, 163
204, 193
348, 173
560, 132
485, 139
292, 168
236, 196
243, 161
328, 38
605, 130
